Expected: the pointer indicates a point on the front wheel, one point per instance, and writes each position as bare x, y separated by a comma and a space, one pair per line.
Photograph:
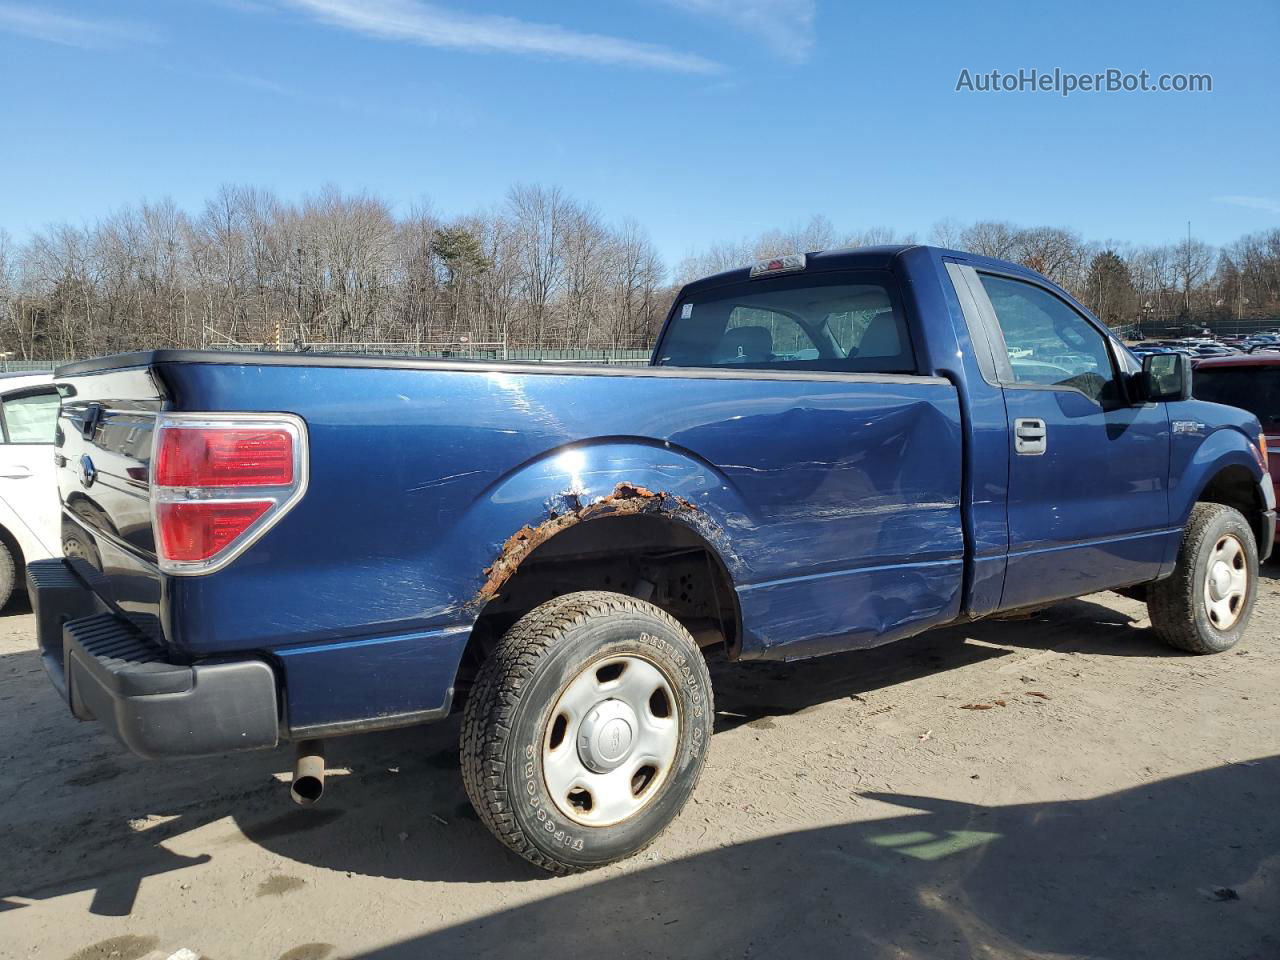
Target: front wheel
1205, 605
586, 730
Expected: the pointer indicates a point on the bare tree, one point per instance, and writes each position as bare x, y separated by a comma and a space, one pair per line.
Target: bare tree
251, 270
539, 216
989, 238
1194, 258
947, 233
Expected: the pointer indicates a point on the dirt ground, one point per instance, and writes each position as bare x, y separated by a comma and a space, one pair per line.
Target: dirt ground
1115, 799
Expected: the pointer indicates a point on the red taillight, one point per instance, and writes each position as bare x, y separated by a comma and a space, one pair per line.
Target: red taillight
194, 532
219, 481
211, 457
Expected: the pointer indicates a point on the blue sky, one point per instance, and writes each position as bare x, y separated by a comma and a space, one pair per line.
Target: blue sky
704, 119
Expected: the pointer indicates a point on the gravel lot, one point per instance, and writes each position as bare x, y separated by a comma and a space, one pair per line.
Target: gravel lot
1114, 799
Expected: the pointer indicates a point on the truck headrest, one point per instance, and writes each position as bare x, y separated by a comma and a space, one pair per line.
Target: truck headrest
746, 345
882, 337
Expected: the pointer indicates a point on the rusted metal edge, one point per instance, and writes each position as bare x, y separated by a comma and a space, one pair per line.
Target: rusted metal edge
627, 499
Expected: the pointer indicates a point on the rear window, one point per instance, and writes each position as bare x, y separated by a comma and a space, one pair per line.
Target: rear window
1256, 389
790, 323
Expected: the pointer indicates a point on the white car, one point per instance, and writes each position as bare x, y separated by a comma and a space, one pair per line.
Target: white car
30, 516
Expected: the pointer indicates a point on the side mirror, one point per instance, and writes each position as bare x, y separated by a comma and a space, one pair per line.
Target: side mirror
1166, 376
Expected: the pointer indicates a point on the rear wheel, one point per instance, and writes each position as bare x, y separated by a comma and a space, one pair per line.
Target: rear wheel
1205, 605
75, 543
586, 730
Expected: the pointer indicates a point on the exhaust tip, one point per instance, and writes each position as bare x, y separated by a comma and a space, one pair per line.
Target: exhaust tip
306, 789
308, 773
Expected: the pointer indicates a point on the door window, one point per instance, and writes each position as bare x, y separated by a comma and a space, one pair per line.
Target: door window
30, 417
1049, 343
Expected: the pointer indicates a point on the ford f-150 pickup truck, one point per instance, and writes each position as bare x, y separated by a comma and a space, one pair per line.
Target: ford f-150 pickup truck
827, 452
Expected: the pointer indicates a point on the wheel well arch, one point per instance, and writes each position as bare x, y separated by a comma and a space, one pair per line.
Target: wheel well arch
1234, 485
653, 556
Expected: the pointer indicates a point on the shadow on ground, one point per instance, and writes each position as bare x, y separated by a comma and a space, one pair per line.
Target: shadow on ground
401, 812
749, 692
1187, 867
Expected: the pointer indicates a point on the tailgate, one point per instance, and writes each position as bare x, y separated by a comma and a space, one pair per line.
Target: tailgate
102, 459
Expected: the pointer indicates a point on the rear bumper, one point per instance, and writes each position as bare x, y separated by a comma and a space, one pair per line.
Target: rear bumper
109, 672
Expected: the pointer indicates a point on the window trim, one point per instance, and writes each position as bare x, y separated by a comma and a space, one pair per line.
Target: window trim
22, 394
1001, 347
964, 281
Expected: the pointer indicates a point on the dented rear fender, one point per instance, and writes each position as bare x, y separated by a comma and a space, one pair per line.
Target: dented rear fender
583, 482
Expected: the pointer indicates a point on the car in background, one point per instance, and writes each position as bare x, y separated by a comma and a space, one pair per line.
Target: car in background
1205, 350
1250, 382
30, 514
1262, 341
1146, 349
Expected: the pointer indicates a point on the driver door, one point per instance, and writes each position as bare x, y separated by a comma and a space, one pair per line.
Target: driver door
1088, 501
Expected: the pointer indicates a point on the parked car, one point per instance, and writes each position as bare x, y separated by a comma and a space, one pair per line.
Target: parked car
1250, 382
828, 452
1206, 350
29, 508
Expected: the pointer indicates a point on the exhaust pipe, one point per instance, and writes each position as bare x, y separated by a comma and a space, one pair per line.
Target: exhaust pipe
308, 773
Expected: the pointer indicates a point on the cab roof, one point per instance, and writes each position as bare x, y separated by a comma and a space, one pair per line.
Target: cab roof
20, 381
860, 258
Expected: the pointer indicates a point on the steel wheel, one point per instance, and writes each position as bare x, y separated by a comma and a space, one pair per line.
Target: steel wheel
1226, 582
611, 740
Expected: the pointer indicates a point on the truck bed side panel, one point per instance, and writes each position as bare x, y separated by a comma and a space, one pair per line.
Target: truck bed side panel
836, 502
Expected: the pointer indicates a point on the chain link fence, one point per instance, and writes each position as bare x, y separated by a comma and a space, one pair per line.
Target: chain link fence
1170, 329
493, 352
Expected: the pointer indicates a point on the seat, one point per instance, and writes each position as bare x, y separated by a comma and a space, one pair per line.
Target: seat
745, 345
882, 337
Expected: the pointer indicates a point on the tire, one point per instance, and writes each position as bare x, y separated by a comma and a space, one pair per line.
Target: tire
76, 544
1193, 611
8, 574
552, 700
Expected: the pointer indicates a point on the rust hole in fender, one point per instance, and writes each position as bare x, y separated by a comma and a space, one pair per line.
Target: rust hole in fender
627, 499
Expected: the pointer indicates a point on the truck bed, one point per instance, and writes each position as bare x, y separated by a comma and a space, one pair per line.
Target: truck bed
810, 487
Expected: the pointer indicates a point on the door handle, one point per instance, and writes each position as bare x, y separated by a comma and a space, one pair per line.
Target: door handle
16, 472
1030, 436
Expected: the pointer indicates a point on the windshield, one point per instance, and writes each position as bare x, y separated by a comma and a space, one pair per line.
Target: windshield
791, 323
1256, 389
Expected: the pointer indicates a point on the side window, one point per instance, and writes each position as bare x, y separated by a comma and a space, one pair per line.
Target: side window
1049, 343
30, 417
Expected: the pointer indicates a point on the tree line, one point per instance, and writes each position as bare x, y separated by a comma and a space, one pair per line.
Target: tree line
341, 269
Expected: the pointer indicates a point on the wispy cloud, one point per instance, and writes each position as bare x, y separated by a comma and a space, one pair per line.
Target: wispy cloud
431, 111
258, 83
784, 25
433, 26
44, 24
1253, 203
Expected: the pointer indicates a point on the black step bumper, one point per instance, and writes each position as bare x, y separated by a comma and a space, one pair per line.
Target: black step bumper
109, 672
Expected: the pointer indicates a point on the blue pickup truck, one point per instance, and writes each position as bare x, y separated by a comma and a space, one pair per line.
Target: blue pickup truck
827, 452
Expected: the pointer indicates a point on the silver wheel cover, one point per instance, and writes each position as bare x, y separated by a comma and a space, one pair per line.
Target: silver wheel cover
610, 740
